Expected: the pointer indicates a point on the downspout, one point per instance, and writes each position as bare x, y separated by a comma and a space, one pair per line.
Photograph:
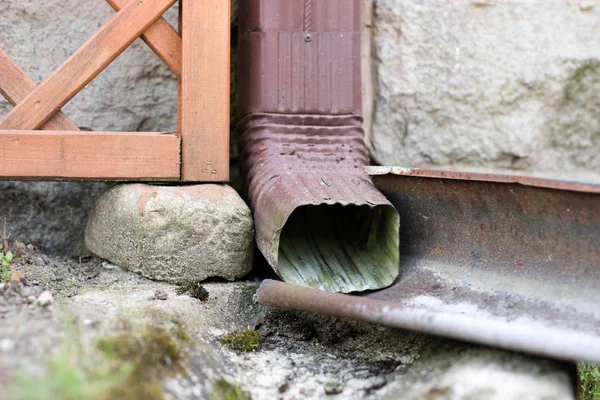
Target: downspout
320, 222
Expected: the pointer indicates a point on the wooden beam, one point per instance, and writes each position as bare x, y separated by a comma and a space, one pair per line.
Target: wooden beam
89, 155
83, 66
15, 85
162, 39
204, 103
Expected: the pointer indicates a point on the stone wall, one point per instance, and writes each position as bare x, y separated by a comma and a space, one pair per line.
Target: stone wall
508, 85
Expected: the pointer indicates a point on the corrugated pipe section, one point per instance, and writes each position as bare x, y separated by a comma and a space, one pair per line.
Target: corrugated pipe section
320, 222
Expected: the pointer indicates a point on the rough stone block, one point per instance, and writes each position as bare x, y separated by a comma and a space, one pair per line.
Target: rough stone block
173, 233
497, 84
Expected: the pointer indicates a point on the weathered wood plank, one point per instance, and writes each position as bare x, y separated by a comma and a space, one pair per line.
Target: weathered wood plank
89, 155
85, 64
204, 108
179, 91
161, 38
15, 85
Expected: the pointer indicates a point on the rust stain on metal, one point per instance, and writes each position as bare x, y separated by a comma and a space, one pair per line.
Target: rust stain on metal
501, 260
499, 224
303, 150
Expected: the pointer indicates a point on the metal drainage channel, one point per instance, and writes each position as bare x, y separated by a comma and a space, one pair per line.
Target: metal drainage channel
506, 261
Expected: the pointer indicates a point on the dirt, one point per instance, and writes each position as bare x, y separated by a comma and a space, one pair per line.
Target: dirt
303, 356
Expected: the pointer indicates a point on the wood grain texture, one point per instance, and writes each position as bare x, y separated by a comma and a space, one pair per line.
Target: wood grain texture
15, 85
204, 108
179, 91
85, 64
89, 155
162, 39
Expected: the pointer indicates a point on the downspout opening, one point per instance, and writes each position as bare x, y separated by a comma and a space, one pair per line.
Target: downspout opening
340, 248
319, 220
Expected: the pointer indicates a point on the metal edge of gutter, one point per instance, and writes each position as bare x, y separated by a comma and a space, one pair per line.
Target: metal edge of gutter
320, 222
562, 344
500, 260
486, 177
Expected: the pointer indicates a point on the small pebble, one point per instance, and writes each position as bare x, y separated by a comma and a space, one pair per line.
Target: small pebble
402, 369
6, 345
30, 299
375, 383
284, 388
159, 295
333, 387
45, 299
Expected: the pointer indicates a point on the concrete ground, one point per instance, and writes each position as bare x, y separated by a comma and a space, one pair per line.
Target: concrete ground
44, 347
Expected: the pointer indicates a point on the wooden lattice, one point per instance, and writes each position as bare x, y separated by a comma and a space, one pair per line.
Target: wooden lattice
38, 141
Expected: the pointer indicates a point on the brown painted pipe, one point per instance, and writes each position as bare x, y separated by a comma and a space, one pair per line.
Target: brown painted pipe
320, 222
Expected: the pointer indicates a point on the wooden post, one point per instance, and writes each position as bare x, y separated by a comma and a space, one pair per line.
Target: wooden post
204, 90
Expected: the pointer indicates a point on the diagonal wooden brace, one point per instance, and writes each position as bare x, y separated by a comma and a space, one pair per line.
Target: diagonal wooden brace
85, 64
161, 38
15, 85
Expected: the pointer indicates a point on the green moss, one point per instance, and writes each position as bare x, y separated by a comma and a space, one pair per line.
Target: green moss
129, 365
67, 376
589, 378
181, 333
426, 353
153, 346
179, 330
284, 388
194, 289
243, 340
153, 352
224, 390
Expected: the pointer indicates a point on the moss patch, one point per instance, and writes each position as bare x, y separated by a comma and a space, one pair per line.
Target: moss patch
243, 340
194, 289
155, 346
131, 364
589, 380
224, 390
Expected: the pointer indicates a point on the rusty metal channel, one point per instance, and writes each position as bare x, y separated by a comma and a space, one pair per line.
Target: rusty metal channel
506, 261
303, 149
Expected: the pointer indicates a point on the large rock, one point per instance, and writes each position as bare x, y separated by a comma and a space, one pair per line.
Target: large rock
173, 233
485, 83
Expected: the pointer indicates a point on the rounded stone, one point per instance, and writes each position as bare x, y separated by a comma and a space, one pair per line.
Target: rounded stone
173, 233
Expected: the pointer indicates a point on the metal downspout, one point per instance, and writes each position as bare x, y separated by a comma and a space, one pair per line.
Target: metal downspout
320, 222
